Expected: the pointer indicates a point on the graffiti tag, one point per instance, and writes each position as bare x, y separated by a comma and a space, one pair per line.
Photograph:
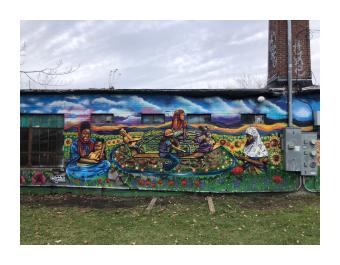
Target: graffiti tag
58, 178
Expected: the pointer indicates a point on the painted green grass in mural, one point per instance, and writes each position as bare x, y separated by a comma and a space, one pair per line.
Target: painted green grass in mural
241, 219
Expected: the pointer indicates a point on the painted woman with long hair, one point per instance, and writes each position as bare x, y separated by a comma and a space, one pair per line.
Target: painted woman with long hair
179, 125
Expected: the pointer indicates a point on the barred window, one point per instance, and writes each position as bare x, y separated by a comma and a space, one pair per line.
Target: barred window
41, 140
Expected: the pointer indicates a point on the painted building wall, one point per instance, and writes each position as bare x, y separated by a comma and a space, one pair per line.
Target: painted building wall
176, 155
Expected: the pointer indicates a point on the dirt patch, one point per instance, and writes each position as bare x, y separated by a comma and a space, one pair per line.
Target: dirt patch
247, 201
90, 201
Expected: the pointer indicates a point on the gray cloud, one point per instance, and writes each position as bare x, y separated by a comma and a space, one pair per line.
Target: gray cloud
152, 54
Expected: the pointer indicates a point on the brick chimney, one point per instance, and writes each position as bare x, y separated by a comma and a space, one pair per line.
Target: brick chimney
278, 54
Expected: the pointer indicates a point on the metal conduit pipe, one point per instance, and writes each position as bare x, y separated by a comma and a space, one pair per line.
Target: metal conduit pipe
290, 113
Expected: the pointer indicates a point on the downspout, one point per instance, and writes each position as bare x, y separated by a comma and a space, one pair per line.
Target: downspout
290, 113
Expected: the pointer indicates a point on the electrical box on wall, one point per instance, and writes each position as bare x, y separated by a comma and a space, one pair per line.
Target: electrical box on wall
292, 149
300, 151
309, 154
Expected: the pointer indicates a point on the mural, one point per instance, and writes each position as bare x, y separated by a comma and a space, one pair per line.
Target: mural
224, 155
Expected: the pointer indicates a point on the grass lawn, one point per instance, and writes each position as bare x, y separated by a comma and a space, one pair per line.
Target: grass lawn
239, 219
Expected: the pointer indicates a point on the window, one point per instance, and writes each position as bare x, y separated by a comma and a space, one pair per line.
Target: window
252, 118
153, 118
103, 119
41, 140
199, 118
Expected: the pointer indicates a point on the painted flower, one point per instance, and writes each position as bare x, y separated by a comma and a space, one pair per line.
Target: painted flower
197, 183
171, 183
22, 180
184, 182
267, 144
153, 185
275, 158
68, 142
147, 183
160, 182
275, 141
38, 178
238, 170
223, 142
100, 181
277, 179
238, 143
141, 182
107, 180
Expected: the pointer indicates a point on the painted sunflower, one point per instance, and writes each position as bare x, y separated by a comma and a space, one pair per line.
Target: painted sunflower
275, 158
275, 141
68, 142
267, 144
238, 145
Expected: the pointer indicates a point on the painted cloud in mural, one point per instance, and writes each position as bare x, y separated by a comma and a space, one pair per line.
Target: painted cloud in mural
127, 108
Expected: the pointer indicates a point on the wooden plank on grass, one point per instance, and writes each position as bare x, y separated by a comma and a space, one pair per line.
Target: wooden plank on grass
211, 205
151, 204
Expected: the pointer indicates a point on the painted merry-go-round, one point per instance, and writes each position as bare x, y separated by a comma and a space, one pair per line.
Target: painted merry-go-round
143, 158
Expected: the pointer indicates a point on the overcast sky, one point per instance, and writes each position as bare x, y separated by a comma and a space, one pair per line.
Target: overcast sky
153, 54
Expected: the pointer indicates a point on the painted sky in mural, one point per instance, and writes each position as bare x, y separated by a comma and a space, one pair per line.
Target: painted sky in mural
127, 108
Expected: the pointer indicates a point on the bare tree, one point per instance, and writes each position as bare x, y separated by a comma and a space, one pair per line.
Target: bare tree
49, 76
251, 81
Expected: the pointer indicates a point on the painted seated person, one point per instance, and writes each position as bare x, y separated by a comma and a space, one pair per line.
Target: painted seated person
166, 145
204, 140
87, 159
99, 151
255, 153
129, 141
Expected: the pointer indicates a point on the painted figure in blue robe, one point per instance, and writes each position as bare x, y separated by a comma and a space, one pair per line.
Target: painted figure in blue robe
166, 145
87, 157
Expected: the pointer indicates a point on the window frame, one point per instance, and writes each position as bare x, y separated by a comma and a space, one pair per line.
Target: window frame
253, 115
153, 119
102, 114
198, 114
31, 129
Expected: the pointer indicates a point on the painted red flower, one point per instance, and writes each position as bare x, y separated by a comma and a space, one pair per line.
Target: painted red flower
38, 178
160, 182
22, 180
238, 170
141, 182
171, 182
197, 183
153, 185
100, 181
107, 180
227, 143
184, 182
223, 142
277, 179
147, 183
